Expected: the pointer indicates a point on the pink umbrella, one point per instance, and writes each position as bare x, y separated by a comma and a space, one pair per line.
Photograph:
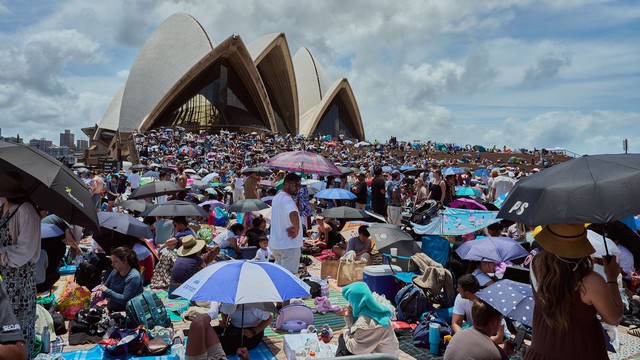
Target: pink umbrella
304, 162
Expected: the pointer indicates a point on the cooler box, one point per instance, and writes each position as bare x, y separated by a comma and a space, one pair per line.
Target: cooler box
248, 252
380, 279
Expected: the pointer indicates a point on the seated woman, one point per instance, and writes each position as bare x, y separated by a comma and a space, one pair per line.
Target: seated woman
369, 327
189, 261
227, 240
253, 235
481, 270
125, 282
327, 236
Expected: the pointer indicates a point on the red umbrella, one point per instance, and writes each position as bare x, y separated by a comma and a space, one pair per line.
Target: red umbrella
304, 162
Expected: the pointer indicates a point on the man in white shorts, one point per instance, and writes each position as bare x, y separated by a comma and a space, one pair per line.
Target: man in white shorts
285, 240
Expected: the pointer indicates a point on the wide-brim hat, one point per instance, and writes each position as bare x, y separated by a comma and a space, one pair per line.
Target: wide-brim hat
190, 246
565, 240
503, 171
10, 185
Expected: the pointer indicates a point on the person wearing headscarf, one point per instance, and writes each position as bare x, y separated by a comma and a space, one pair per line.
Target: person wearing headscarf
368, 322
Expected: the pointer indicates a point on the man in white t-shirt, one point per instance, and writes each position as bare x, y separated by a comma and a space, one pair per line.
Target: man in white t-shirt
285, 240
238, 191
501, 184
134, 180
467, 287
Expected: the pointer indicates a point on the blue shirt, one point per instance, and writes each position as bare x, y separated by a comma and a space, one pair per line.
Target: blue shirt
121, 289
185, 267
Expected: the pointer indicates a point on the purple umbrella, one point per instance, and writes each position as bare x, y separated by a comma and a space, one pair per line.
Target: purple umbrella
468, 204
496, 249
213, 203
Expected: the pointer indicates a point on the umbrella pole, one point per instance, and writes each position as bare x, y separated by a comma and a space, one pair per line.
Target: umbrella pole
604, 239
242, 328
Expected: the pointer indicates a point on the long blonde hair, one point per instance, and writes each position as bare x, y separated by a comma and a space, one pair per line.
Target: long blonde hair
558, 278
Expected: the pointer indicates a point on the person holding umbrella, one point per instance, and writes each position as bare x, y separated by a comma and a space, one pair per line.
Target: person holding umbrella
19, 252
569, 295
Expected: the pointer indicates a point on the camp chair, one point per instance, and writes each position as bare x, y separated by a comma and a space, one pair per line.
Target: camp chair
405, 264
437, 248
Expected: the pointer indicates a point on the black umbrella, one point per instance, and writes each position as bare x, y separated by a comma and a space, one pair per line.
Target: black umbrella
200, 185
136, 205
620, 232
151, 174
260, 170
124, 224
138, 167
387, 236
591, 189
247, 205
175, 208
345, 170
345, 212
415, 172
154, 189
50, 184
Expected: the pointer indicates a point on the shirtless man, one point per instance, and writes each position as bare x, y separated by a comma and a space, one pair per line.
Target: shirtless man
182, 178
97, 188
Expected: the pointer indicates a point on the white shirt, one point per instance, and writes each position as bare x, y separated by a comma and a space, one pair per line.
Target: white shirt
502, 184
263, 255
463, 307
252, 316
483, 278
239, 183
134, 180
223, 239
282, 206
625, 259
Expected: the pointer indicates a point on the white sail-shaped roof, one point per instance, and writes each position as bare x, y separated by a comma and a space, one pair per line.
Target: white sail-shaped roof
311, 78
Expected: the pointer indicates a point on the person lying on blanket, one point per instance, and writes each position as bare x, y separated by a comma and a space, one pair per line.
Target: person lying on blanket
369, 326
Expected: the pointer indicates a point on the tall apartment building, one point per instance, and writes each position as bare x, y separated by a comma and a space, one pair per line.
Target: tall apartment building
67, 139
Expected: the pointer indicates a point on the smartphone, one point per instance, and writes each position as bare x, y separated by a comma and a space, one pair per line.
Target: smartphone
517, 343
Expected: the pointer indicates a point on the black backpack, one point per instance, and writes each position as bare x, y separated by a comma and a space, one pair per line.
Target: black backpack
411, 303
87, 275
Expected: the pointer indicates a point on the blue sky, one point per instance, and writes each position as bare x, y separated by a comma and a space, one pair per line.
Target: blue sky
519, 73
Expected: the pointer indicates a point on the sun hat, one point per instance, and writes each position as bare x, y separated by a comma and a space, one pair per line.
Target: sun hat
190, 246
10, 185
503, 171
565, 240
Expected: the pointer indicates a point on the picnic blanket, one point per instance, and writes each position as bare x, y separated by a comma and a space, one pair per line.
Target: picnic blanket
175, 307
97, 352
259, 352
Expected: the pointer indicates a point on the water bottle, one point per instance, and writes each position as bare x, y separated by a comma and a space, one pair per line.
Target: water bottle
307, 346
434, 338
46, 340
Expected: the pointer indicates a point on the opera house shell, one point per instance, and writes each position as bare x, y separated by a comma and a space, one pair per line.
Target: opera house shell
181, 78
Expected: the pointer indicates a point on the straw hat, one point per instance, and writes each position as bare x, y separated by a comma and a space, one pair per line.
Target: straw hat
10, 185
190, 246
566, 240
503, 171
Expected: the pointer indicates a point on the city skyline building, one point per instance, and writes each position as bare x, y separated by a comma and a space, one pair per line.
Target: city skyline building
67, 139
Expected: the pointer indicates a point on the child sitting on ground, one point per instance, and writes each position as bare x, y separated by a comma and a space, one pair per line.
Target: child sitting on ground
264, 254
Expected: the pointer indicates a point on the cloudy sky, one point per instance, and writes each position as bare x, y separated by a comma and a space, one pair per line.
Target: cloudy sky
557, 73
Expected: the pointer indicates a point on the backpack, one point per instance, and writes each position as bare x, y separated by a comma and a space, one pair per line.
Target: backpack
121, 343
88, 272
147, 310
411, 303
421, 332
294, 318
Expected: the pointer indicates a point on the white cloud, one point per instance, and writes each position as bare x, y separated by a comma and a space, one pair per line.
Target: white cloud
4, 10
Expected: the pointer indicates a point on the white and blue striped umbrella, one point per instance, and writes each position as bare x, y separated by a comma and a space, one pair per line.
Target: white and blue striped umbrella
243, 282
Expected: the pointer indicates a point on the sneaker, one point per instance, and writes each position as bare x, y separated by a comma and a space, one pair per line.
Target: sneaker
312, 329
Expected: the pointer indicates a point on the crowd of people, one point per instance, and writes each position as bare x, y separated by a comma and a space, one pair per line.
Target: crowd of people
568, 293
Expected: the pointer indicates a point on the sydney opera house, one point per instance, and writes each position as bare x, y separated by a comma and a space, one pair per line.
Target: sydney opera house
182, 78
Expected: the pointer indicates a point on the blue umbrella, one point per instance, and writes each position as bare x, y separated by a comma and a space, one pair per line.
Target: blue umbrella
496, 249
243, 282
500, 200
335, 194
453, 171
387, 169
512, 299
49, 231
482, 172
468, 191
